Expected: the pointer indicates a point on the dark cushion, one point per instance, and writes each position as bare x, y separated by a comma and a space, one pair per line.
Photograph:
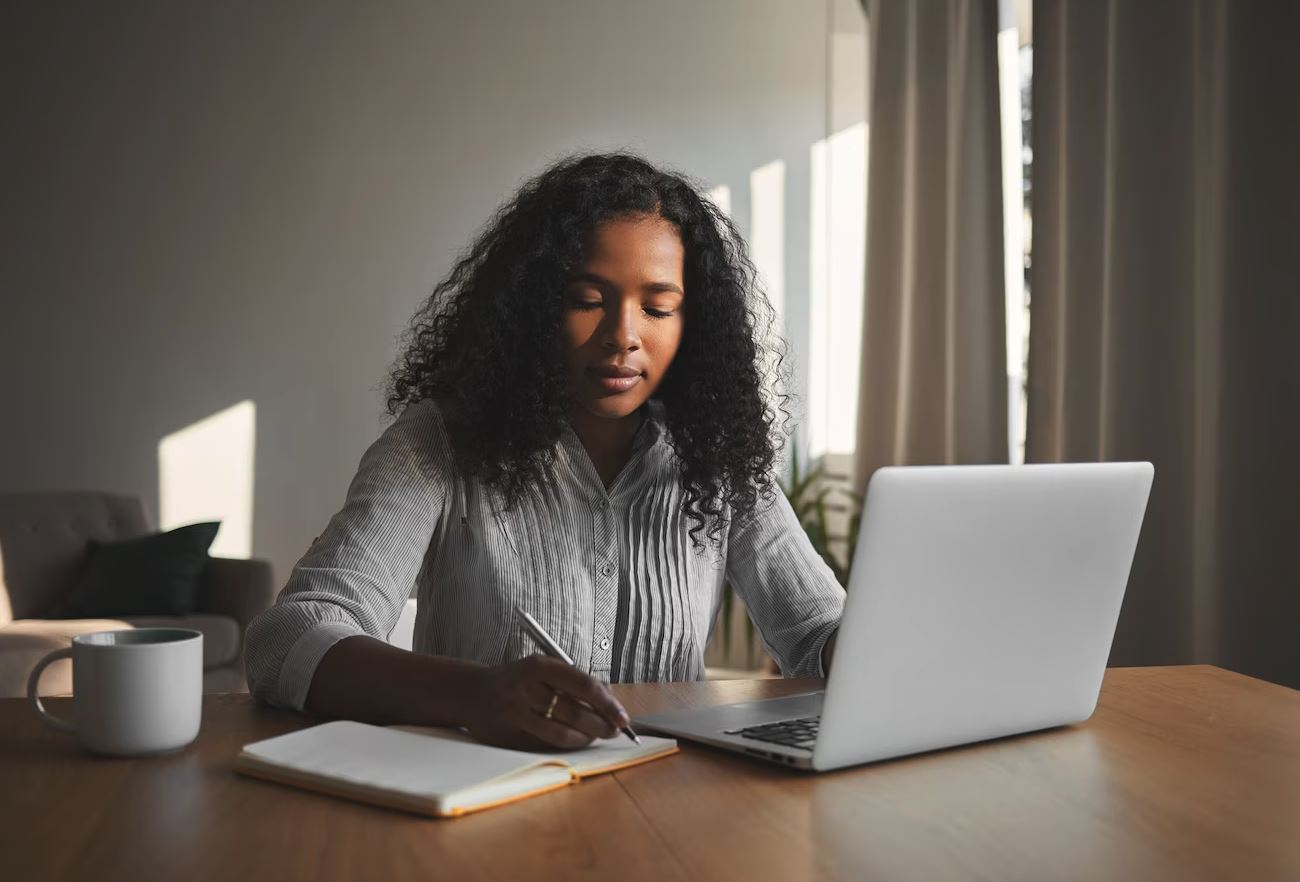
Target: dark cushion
154, 575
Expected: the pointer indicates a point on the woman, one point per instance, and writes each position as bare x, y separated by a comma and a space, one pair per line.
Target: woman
581, 433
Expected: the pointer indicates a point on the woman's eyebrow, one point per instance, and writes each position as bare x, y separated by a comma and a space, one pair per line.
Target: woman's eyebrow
592, 279
659, 287
600, 281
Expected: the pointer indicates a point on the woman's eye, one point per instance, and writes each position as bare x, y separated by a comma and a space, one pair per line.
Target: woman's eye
586, 305
658, 313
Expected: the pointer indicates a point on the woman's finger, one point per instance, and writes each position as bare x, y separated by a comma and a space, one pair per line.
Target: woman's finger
551, 732
568, 711
573, 682
578, 716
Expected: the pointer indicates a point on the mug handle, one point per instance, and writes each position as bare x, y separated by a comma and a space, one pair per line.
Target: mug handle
57, 722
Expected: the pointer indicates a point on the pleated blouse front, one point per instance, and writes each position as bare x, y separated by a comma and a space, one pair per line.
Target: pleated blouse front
611, 573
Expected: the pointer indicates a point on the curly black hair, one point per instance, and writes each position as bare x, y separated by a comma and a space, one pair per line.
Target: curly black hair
486, 344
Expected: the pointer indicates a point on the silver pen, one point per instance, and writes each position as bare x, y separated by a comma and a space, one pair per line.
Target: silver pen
553, 649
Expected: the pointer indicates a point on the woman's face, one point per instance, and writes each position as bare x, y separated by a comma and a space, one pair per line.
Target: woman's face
623, 315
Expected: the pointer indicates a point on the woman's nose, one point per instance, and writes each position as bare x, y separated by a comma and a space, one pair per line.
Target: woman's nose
621, 332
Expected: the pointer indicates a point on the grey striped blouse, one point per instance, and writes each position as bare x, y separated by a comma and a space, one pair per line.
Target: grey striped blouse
611, 574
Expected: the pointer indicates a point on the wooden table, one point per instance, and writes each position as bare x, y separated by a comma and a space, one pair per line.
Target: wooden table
1183, 773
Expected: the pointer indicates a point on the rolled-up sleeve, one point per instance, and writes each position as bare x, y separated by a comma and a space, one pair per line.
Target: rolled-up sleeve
357, 575
788, 589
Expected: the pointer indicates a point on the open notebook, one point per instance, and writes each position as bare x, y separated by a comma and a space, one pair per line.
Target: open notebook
438, 772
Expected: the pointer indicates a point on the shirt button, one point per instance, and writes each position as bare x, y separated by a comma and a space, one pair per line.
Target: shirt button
603, 504
604, 643
607, 569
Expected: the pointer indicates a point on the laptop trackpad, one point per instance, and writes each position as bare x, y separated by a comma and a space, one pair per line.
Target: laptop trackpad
737, 716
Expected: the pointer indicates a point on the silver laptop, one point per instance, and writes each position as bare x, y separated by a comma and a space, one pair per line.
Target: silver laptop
982, 603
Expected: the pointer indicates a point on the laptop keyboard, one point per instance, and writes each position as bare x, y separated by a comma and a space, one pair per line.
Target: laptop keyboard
800, 734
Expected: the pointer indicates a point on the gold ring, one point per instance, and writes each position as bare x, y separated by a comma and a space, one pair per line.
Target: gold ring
550, 708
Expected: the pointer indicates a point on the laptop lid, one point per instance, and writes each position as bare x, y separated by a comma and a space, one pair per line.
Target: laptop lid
982, 602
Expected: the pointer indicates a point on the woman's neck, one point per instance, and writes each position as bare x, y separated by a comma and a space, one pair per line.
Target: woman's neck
608, 442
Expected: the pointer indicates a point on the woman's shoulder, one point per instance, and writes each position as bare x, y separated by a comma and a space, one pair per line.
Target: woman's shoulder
422, 411
424, 419
418, 438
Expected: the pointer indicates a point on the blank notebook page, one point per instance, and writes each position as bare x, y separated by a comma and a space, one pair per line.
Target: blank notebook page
394, 760
604, 755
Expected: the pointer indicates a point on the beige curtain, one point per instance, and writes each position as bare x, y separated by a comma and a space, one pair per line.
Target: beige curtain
1165, 305
934, 386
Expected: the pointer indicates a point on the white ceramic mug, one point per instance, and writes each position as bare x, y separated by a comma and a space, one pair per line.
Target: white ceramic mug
136, 692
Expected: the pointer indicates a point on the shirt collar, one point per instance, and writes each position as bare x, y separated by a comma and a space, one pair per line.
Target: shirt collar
653, 427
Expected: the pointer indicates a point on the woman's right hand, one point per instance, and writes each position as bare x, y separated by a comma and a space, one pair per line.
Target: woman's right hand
508, 706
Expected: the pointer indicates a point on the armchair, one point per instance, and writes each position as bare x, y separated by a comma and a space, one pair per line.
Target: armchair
43, 540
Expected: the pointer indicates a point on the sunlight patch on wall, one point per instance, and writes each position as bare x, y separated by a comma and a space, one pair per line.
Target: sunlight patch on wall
6, 611
836, 279
767, 232
1013, 237
205, 473
721, 197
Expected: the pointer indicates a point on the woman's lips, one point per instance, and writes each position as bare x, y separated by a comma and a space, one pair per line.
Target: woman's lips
615, 379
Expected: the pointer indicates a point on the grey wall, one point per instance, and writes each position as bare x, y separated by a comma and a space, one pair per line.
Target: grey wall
212, 202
